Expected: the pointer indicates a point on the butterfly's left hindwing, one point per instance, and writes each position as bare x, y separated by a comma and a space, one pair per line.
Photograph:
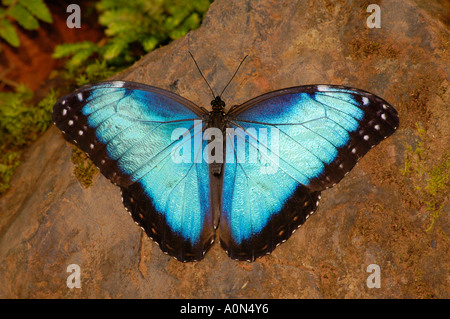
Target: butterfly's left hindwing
126, 128
307, 139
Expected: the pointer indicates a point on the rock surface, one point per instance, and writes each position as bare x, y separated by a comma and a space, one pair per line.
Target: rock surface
376, 215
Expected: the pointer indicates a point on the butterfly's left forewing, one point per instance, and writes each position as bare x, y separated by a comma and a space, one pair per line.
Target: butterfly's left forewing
306, 140
127, 130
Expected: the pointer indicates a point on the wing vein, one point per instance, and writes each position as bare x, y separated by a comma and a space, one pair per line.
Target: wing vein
160, 152
279, 165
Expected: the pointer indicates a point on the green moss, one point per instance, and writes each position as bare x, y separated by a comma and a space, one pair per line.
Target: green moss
414, 157
97, 71
21, 122
433, 181
85, 169
9, 161
438, 187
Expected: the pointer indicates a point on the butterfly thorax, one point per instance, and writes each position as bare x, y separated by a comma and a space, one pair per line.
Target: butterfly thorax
217, 114
217, 120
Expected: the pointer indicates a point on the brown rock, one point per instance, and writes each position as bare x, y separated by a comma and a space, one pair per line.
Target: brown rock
376, 215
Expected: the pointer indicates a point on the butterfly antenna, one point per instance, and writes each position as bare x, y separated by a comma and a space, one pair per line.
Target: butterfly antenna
214, 96
233, 75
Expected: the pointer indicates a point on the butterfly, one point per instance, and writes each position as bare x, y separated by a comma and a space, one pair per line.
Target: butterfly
254, 172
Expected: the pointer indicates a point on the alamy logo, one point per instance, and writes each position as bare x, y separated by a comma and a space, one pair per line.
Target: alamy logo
73, 20
374, 20
74, 279
252, 145
374, 279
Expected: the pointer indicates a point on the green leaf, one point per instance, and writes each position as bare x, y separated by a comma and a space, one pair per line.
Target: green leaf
23, 17
9, 33
79, 57
38, 9
201, 5
150, 43
114, 48
67, 49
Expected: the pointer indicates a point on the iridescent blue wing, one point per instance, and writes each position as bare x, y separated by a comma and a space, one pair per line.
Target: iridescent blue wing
127, 129
282, 149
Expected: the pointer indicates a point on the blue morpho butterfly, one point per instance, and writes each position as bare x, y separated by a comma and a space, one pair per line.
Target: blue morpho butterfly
261, 175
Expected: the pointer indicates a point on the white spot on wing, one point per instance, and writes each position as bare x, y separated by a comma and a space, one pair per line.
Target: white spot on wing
118, 84
64, 112
80, 132
383, 116
70, 123
322, 88
365, 100
80, 96
377, 127
366, 137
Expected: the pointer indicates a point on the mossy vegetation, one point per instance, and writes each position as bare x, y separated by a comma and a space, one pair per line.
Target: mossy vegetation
432, 181
438, 187
414, 157
22, 121
132, 28
85, 169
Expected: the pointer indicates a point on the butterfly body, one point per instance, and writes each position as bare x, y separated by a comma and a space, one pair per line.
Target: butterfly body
216, 119
254, 172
